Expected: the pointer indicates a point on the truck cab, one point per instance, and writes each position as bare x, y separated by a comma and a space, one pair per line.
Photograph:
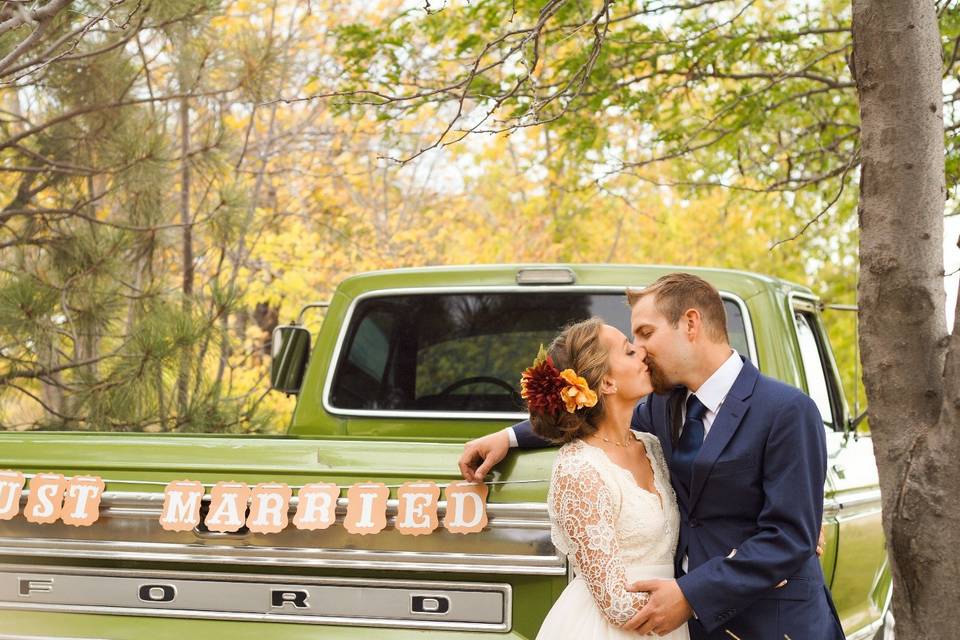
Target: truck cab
407, 365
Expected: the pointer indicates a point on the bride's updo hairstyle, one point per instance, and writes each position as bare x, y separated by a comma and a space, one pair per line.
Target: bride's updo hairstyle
578, 347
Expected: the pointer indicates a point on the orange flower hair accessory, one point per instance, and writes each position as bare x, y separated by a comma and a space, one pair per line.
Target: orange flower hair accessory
548, 390
577, 393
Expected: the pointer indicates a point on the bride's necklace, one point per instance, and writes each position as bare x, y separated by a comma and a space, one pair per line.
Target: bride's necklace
609, 441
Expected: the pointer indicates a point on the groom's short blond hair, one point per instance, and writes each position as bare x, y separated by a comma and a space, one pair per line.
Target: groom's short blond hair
675, 293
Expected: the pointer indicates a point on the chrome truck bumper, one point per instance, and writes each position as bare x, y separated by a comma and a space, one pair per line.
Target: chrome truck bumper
394, 604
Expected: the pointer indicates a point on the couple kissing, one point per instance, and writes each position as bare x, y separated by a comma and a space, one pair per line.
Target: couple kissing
687, 492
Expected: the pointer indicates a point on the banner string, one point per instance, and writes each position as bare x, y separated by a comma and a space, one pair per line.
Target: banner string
300, 486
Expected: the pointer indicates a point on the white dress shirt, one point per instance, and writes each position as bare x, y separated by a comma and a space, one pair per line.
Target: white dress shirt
714, 391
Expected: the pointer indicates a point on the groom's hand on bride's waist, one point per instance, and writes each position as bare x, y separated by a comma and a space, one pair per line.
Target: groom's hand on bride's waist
665, 611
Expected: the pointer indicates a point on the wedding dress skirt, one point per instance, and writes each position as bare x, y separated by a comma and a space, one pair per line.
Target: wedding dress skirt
575, 614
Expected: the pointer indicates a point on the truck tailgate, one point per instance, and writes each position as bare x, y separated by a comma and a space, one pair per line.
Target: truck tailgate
345, 580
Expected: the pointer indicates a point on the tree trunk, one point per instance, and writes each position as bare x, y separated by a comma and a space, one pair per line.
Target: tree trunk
51, 386
911, 372
183, 379
267, 318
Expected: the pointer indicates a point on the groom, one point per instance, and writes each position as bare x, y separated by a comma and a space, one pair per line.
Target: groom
747, 457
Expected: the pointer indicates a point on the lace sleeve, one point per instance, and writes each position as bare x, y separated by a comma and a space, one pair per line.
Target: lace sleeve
584, 513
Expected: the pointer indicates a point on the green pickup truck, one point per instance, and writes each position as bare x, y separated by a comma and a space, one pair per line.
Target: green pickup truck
407, 366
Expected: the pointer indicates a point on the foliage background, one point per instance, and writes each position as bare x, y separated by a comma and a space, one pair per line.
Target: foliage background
178, 177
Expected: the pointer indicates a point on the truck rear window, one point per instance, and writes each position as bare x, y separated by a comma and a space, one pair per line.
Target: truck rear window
463, 352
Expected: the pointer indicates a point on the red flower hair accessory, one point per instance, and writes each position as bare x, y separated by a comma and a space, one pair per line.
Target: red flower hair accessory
548, 390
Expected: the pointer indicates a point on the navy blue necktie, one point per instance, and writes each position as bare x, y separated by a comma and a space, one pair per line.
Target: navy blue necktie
691, 439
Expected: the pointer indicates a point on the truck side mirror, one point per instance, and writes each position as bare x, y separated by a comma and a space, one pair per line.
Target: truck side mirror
290, 349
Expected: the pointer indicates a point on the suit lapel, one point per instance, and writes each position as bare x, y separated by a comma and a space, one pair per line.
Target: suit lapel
671, 414
728, 420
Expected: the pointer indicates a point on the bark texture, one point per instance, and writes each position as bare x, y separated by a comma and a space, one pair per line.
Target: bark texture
910, 361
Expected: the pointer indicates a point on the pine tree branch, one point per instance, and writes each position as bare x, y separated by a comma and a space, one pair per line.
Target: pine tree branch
46, 58
22, 16
40, 18
64, 117
43, 404
41, 373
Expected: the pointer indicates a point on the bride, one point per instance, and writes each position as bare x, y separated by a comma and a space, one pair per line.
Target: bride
612, 508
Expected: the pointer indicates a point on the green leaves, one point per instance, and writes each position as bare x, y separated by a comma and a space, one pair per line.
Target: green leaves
694, 79
541, 356
469, 43
26, 307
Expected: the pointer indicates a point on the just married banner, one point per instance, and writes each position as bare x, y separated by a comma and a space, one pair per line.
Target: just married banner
262, 508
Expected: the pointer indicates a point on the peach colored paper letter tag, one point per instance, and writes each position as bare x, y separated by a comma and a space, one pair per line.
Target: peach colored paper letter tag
366, 508
181, 505
81, 506
269, 503
316, 506
228, 506
417, 508
46, 498
11, 488
466, 507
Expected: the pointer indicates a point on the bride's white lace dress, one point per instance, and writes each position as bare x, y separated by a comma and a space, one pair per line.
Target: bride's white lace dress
614, 532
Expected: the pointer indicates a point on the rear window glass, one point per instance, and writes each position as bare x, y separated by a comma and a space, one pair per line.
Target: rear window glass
464, 351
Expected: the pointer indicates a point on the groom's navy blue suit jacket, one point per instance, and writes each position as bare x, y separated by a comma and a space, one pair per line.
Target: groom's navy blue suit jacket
752, 516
